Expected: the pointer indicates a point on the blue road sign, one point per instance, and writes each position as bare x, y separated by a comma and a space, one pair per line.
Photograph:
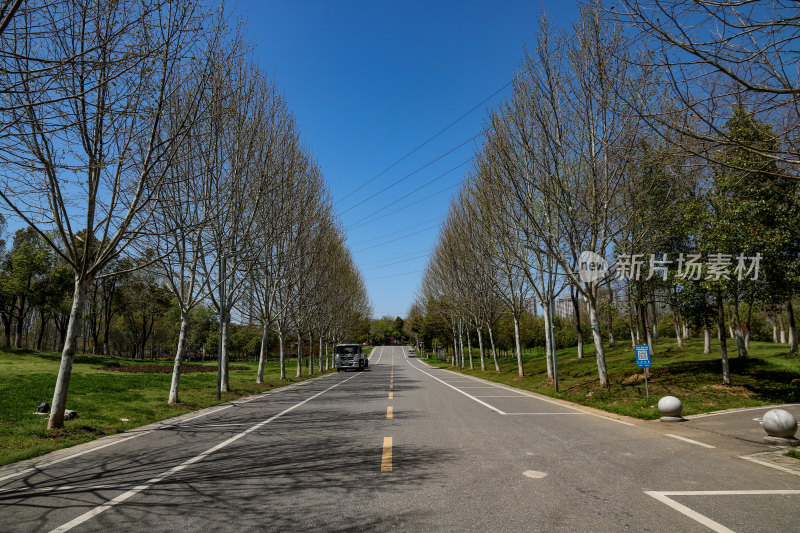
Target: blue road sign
642, 355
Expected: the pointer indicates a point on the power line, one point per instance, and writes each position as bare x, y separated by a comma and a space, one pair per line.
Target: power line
423, 167
405, 256
395, 275
453, 186
430, 182
397, 262
397, 238
368, 241
453, 123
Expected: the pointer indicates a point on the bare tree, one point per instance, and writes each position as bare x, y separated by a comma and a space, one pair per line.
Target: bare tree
720, 53
84, 146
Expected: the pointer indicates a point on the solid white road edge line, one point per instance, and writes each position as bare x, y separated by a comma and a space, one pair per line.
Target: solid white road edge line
492, 407
139, 488
45, 465
689, 440
524, 393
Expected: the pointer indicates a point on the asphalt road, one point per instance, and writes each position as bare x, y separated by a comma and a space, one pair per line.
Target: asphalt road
403, 447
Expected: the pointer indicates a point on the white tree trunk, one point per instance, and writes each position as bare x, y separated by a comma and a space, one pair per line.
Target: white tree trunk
518, 347
67, 356
224, 387
494, 348
598, 343
548, 346
481, 350
678, 337
706, 340
282, 355
176, 367
262, 356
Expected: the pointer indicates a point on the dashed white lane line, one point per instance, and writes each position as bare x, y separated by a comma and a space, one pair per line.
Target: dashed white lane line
698, 443
664, 497
147, 484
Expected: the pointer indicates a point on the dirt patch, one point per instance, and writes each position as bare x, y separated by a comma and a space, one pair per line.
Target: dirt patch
163, 369
736, 390
634, 378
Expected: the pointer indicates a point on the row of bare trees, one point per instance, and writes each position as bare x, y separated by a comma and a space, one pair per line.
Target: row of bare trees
142, 127
575, 161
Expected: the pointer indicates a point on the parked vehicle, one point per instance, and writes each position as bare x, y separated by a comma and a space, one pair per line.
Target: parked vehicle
350, 356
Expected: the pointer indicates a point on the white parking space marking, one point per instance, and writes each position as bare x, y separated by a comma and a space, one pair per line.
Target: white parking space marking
147, 484
704, 445
730, 411
664, 497
771, 465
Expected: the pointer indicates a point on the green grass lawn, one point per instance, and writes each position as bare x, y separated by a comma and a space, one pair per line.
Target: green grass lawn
103, 397
696, 379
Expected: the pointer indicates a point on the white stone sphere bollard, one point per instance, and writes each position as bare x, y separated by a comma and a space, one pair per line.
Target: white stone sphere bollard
780, 426
671, 409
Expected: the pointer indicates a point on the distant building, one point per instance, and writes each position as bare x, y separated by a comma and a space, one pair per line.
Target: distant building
564, 308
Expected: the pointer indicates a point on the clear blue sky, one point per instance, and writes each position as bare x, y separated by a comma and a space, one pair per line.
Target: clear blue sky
370, 81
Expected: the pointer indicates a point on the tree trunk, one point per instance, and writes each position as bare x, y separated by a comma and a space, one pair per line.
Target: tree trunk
469, 349
792, 327
224, 384
747, 323
677, 330
706, 340
517, 346
42, 327
176, 367
320, 353
461, 343
548, 340
723, 346
494, 348
573, 292
598, 344
262, 355
481, 349
299, 355
653, 322
18, 332
611, 342
774, 330
782, 328
67, 355
282, 354
737, 325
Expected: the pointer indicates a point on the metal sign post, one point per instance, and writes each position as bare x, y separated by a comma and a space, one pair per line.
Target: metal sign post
643, 361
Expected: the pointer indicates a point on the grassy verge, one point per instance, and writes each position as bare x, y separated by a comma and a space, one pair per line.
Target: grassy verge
695, 378
107, 399
794, 454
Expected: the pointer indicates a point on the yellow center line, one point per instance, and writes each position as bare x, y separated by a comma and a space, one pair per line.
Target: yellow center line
391, 396
386, 458
389, 412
